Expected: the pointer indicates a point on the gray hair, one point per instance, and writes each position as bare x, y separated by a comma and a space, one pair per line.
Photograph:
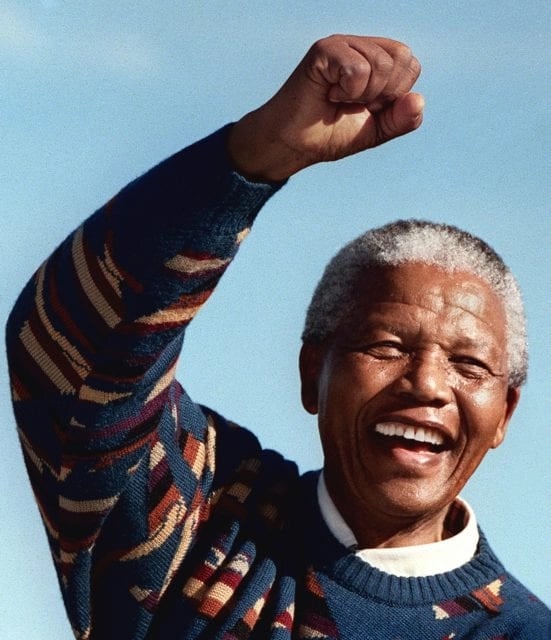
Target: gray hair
403, 241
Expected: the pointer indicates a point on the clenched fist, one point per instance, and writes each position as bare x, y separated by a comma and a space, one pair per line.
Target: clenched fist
349, 93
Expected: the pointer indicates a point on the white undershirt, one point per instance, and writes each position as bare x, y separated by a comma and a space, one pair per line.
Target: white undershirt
413, 561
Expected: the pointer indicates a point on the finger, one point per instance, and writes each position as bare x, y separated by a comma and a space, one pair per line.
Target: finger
382, 65
358, 72
405, 114
336, 65
377, 71
405, 72
351, 84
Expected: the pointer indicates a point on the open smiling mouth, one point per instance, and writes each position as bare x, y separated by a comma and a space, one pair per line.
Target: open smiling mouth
413, 438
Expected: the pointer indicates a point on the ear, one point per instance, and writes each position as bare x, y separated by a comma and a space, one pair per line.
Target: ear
310, 362
511, 401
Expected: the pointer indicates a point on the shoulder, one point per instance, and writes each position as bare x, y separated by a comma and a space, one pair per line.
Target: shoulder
237, 448
261, 480
516, 611
530, 617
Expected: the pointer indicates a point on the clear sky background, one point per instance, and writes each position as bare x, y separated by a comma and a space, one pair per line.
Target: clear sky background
94, 92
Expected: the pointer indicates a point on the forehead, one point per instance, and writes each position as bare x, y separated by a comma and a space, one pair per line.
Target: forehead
417, 289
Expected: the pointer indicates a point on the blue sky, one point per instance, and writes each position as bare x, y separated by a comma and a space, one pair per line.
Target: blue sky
93, 93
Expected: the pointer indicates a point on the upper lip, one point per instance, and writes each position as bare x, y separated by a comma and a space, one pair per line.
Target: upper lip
428, 423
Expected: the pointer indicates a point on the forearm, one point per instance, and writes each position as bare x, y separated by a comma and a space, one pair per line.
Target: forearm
176, 228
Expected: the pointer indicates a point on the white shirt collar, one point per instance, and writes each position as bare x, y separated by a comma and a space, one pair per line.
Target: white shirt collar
413, 561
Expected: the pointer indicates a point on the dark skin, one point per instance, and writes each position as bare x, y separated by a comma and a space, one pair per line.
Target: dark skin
439, 361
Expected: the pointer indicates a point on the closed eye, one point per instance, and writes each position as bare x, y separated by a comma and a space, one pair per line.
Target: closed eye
385, 350
471, 367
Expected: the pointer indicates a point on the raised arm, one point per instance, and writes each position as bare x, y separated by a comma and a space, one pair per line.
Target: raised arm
121, 460
117, 454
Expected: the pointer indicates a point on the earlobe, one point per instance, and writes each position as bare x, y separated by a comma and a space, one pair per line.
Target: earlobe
309, 365
513, 397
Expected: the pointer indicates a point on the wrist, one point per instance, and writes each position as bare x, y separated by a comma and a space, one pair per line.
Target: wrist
259, 156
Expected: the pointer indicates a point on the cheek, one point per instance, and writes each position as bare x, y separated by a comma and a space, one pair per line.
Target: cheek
483, 409
351, 386
356, 381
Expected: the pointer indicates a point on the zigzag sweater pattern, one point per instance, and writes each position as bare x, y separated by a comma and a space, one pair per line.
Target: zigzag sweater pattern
165, 520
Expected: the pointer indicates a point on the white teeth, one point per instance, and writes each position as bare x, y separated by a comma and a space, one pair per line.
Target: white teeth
420, 434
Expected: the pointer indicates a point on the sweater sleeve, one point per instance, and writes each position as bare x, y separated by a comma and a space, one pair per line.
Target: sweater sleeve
120, 459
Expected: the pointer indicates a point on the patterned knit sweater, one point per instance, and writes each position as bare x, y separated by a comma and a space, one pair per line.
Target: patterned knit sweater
165, 520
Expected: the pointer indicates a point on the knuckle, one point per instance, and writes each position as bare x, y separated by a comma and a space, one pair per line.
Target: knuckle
361, 68
316, 49
382, 63
404, 58
415, 67
403, 53
323, 44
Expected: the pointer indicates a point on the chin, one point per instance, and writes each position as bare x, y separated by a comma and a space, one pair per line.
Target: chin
412, 502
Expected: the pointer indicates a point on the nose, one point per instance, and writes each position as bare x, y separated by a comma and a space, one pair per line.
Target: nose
426, 379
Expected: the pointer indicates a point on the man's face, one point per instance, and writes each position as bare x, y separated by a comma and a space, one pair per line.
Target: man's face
411, 391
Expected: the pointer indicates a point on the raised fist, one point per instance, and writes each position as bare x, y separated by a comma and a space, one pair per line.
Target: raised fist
349, 93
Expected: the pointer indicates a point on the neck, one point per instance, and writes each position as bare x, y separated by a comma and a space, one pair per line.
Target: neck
388, 532
375, 528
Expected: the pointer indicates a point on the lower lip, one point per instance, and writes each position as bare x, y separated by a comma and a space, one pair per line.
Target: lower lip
408, 457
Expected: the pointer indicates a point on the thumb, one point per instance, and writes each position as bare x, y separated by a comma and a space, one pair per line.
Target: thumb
403, 115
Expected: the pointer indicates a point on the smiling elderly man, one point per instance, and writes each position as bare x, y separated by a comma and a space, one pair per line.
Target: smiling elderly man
167, 521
